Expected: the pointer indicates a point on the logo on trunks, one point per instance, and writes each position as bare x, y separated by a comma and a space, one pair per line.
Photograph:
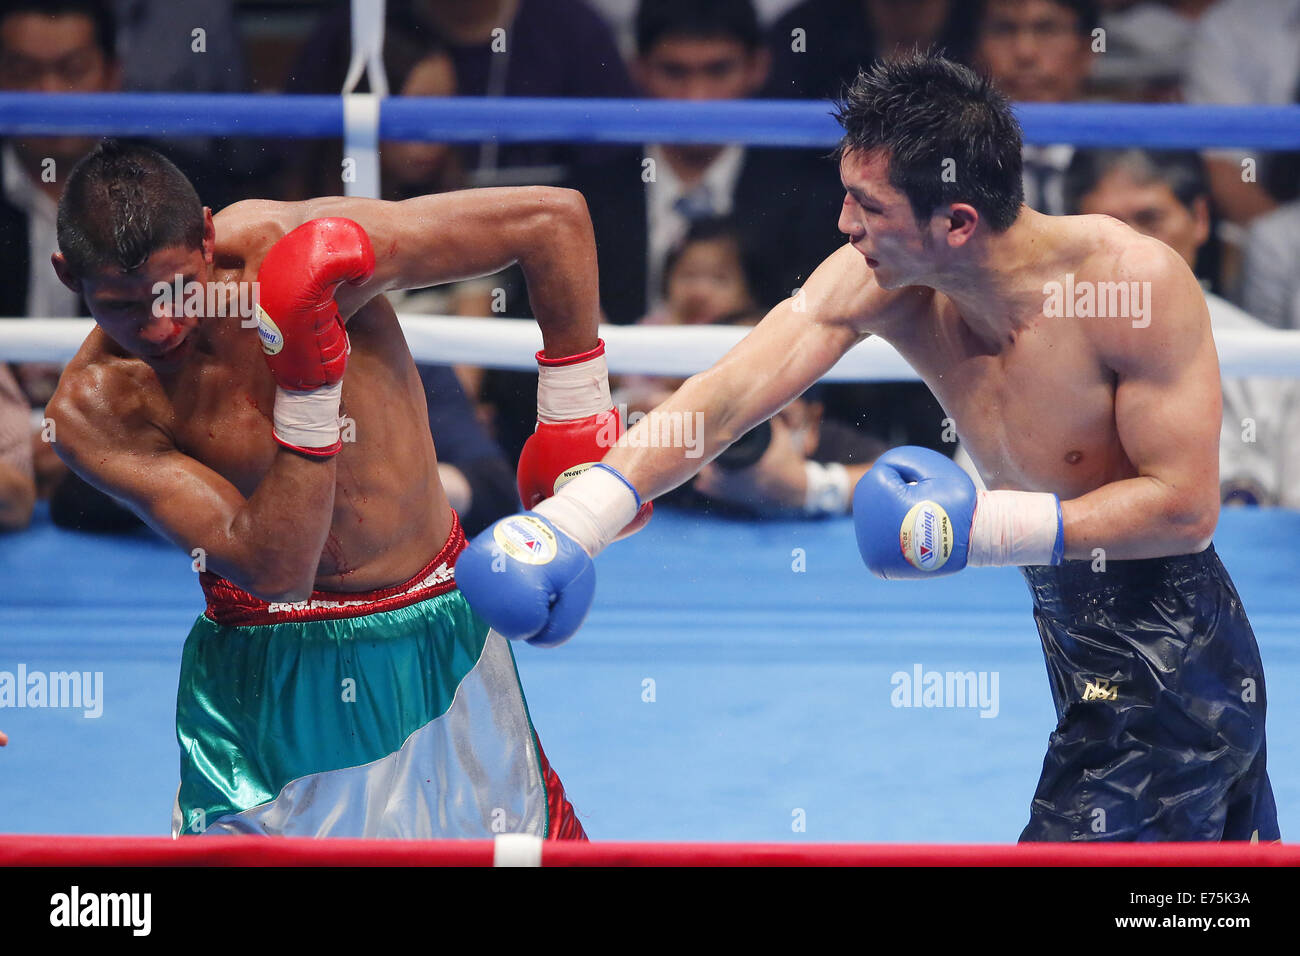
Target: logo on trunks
526, 539
1101, 690
270, 334
926, 536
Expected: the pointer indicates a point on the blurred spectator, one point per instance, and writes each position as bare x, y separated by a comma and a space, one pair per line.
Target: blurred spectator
55, 46
621, 17
809, 465
52, 46
1245, 51
17, 480
1148, 48
1270, 286
1039, 51
642, 203
498, 48
169, 47
797, 464
1166, 195
479, 481
161, 51
819, 46
708, 279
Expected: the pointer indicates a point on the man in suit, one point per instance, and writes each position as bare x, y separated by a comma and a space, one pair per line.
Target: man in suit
643, 201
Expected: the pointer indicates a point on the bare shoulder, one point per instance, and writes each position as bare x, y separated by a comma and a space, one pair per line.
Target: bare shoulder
1156, 306
247, 230
844, 290
105, 402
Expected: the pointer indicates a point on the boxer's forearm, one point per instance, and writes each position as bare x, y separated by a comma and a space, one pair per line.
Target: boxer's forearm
272, 545
1138, 518
707, 413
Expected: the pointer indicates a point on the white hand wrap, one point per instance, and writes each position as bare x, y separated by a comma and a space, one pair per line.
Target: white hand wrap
308, 420
828, 489
592, 508
1015, 528
566, 393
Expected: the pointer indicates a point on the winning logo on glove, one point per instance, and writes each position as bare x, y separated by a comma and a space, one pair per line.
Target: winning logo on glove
926, 536
270, 334
526, 539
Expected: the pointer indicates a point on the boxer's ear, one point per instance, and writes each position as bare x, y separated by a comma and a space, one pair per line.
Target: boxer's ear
963, 219
65, 273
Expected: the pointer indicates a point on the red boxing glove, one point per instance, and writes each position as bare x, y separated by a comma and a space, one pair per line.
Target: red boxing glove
577, 424
303, 336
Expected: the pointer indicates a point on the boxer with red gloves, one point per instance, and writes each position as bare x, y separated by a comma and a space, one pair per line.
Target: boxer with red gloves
338, 683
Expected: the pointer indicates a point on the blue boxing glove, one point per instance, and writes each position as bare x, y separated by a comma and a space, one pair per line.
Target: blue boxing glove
917, 513
528, 579
531, 576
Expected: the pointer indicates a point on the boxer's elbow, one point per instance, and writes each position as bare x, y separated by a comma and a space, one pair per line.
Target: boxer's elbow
277, 583
1190, 523
560, 217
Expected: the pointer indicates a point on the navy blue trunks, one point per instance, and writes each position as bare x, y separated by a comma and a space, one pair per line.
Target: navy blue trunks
1160, 704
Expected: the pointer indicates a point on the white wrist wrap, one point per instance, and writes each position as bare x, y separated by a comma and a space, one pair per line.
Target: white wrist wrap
1013, 528
566, 393
828, 489
592, 509
308, 419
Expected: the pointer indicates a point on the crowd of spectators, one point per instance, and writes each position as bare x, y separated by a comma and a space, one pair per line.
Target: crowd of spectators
686, 233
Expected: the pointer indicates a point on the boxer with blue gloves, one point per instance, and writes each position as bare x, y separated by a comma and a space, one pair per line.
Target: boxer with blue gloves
1075, 358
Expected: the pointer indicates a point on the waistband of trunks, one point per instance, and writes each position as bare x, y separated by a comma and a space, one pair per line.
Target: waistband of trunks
1075, 580
232, 606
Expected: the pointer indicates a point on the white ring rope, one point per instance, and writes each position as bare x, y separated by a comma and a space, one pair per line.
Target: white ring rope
654, 350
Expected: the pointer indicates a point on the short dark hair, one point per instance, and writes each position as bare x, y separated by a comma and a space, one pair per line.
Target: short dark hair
122, 202
706, 19
1087, 14
1183, 171
931, 116
99, 12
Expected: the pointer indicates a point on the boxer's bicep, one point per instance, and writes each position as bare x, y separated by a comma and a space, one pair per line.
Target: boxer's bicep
1168, 412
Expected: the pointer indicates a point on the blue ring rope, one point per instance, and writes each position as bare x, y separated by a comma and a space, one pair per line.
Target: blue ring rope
515, 120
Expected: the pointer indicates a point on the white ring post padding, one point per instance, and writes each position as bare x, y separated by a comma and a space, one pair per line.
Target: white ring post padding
361, 110
677, 351
361, 144
517, 849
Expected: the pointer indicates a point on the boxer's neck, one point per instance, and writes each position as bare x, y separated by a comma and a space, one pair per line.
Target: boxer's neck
997, 285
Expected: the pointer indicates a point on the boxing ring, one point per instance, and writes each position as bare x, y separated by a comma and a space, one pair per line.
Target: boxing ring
730, 697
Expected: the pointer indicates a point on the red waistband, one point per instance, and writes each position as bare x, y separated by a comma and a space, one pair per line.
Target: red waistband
233, 606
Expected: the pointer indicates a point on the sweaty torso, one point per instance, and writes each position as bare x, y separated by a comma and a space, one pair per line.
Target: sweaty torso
1036, 412
390, 515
